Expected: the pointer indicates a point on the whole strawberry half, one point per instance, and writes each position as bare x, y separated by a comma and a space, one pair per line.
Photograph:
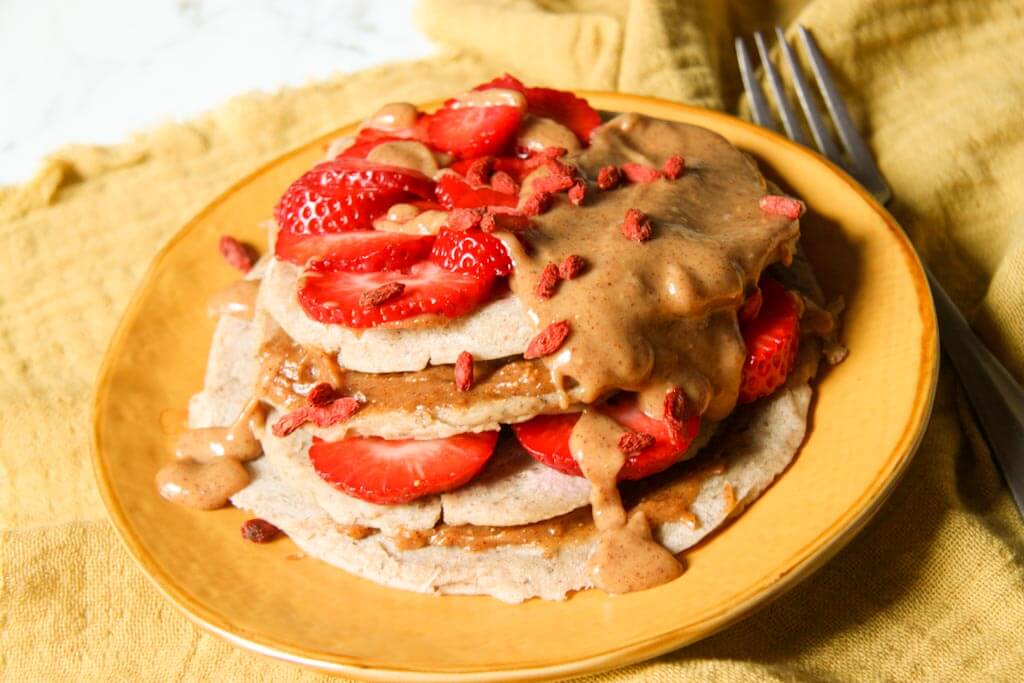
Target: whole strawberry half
390, 472
471, 251
772, 338
333, 297
346, 194
546, 438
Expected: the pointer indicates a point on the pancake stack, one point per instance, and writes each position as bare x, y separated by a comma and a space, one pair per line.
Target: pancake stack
508, 349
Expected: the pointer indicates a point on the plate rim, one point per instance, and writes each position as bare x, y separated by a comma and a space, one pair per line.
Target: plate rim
822, 548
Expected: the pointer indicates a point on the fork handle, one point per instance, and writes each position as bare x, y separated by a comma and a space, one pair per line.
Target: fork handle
998, 400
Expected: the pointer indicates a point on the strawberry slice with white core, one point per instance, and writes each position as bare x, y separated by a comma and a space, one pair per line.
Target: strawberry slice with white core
474, 131
333, 297
359, 251
346, 194
389, 472
546, 438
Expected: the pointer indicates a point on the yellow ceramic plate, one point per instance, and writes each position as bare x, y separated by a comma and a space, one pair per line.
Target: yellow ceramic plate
266, 599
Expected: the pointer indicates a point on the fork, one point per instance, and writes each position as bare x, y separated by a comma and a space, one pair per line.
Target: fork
997, 400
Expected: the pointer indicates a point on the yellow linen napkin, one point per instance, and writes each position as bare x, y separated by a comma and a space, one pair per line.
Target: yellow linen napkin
932, 589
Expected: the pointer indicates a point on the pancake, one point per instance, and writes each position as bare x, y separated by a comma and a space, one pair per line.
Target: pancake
663, 307
751, 458
496, 330
421, 404
755, 445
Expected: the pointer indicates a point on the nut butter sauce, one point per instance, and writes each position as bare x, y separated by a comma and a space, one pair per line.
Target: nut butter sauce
209, 468
626, 558
648, 316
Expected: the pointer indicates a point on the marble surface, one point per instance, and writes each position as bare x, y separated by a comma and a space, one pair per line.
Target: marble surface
93, 72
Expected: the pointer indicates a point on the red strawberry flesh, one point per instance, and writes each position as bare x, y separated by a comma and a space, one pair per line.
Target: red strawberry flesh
471, 251
389, 472
546, 438
333, 297
772, 339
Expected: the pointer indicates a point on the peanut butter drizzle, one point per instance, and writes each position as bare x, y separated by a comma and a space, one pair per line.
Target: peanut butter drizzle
647, 316
288, 371
395, 116
237, 299
626, 557
664, 499
209, 469
408, 219
405, 154
549, 535
537, 133
237, 442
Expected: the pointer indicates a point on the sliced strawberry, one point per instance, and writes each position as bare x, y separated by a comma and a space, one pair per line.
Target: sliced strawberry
471, 251
453, 192
366, 140
334, 297
358, 251
506, 82
546, 438
346, 194
573, 112
474, 131
389, 472
772, 338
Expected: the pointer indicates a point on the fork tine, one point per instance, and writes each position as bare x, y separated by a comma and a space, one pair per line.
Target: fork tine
789, 120
864, 168
758, 104
822, 138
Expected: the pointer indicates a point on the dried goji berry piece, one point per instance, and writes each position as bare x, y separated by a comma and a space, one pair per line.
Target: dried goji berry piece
636, 226
464, 371
609, 177
464, 219
631, 443
548, 282
548, 341
577, 193
572, 266
675, 414
537, 203
777, 205
320, 394
259, 530
504, 183
380, 295
479, 171
235, 253
640, 173
674, 167
553, 183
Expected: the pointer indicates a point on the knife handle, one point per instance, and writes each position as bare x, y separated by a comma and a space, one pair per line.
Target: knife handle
997, 399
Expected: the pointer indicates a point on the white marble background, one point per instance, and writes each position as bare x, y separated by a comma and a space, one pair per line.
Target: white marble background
92, 71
